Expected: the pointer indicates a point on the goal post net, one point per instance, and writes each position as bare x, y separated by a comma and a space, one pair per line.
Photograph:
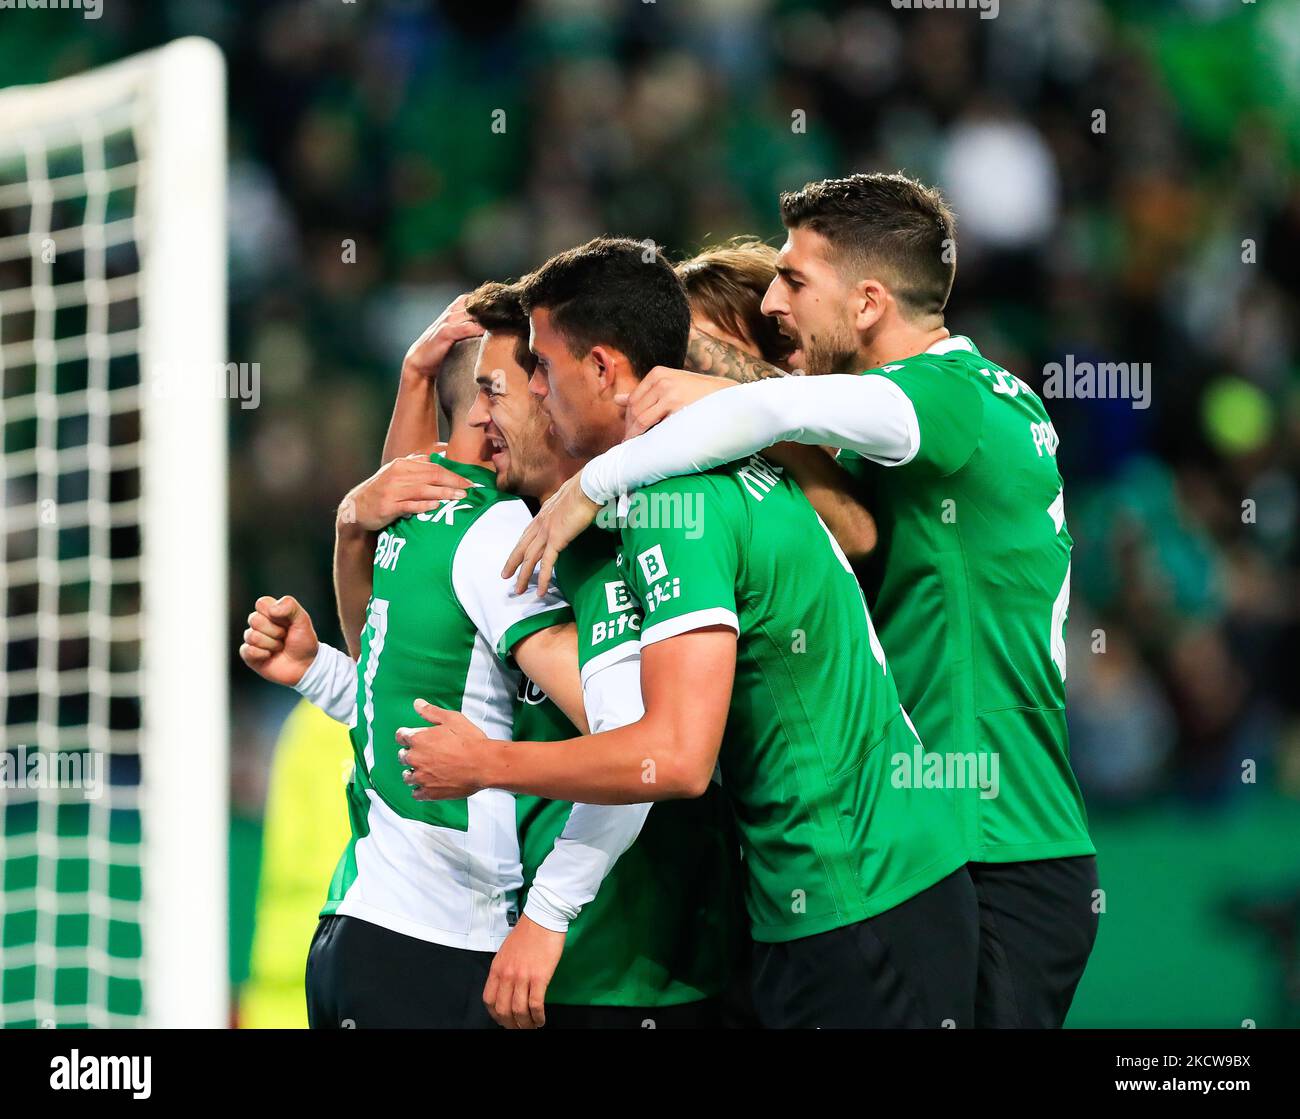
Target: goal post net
113, 653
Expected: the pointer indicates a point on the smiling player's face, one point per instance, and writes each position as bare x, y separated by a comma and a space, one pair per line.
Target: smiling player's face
811, 303
512, 420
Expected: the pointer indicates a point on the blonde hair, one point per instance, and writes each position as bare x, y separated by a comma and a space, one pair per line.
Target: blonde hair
725, 283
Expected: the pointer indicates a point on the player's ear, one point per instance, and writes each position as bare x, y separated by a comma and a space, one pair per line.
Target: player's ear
868, 303
603, 366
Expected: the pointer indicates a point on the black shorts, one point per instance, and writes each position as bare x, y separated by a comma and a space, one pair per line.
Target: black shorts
911, 966
703, 1015
1038, 922
362, 976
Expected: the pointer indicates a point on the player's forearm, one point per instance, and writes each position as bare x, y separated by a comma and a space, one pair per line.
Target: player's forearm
630, 765
594, 836
354, 552
830, 490
330, 683
414, 423
593, 839
868, 414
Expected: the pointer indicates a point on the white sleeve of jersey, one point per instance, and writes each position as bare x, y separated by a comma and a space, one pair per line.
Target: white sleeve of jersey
596, 835
489, 600
868, 414
330, 683
611, 688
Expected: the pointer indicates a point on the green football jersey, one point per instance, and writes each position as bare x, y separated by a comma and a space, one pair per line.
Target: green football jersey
667, 923
440, 626
970, 587
815, 735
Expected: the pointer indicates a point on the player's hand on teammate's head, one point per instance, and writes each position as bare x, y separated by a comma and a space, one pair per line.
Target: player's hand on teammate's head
565, 514
662, 392
427, 353
280, 642
515, 994
398, 489
442, 760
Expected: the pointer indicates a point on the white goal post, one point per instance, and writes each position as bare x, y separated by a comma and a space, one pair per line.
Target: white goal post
113, 554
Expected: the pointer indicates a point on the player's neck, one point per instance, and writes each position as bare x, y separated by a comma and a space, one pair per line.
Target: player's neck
901, 340
467, 445
565, 468
606, 429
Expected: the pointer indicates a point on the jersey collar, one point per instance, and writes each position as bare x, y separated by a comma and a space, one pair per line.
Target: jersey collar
955, 342
475, 475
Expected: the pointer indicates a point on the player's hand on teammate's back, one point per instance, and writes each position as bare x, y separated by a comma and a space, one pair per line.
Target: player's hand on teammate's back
398, 489
280, 642
442, 759
515, 994
425, 357
662, 392
564, 515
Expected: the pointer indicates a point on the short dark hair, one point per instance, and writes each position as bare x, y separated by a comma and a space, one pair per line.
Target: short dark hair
883, 221
726, 283
499, 309
455, 385
618, 292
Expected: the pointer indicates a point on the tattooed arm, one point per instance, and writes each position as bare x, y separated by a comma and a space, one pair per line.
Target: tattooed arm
711, 364
709, 355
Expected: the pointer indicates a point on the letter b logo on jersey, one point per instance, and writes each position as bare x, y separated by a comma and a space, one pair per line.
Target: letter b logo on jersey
652, 564
617, 597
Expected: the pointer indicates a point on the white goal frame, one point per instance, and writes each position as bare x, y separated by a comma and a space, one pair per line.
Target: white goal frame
181, 139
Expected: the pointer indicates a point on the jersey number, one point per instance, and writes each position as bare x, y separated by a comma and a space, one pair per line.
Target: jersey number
1061, 607
377, 620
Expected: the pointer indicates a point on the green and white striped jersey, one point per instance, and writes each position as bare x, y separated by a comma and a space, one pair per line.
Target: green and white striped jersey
440, 626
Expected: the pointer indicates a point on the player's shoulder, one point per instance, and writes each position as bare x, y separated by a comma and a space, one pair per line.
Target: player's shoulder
945, 366
452, 535
685, 502
722, 481
492, 512
649, 506
484, 594
702, 481
455, 516
944, 387
999, 393
596, 544
592, 554
492, 525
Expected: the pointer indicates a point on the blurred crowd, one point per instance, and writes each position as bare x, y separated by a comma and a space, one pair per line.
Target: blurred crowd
1126, 177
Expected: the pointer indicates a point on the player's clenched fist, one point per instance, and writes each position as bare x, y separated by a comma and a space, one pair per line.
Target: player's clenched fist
280, 642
